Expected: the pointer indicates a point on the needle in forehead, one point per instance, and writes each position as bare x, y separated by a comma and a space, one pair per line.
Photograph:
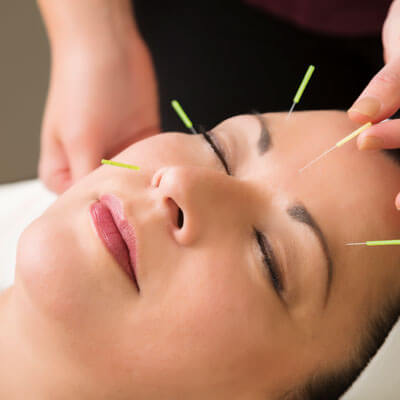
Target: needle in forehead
301, 88
182, 115
339, 144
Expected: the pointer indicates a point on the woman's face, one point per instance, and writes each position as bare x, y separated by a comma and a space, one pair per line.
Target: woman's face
211, 320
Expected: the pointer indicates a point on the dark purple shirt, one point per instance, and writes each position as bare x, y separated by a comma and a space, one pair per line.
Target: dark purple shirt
339, 17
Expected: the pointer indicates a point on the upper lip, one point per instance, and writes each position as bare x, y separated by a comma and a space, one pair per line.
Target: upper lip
115, 205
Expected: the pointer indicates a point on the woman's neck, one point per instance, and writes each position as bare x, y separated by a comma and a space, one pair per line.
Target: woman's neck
10, 368
28, 368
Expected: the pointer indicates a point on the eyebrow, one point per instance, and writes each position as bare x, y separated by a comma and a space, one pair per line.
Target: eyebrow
299, 213
264, 142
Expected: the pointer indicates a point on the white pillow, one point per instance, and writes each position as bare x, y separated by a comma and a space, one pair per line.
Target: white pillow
20, 203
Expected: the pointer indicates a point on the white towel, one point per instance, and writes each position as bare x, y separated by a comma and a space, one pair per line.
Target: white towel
20, 203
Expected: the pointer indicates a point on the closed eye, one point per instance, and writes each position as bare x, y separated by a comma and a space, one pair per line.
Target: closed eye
269, 259
213, 142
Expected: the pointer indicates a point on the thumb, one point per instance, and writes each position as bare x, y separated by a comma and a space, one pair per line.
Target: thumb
391, 32
53, 168
385, 135
381, 98
84, 159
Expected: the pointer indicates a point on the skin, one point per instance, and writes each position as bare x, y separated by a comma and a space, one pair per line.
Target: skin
207, 322
381, 97
102, 98
116, 87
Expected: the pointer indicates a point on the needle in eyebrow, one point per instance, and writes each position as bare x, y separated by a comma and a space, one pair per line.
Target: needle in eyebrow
376, 243
339, 144
182, 115
301, 88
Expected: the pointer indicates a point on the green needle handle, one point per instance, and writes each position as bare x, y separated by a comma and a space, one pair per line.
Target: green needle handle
118, 164
382, 242
182, 115
303, 84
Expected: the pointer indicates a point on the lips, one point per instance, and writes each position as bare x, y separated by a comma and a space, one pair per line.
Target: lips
116, 232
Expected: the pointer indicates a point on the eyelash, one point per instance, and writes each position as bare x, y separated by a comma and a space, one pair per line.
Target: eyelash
216, 150
261, 240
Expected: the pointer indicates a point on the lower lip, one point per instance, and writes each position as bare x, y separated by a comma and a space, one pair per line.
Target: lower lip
109, 234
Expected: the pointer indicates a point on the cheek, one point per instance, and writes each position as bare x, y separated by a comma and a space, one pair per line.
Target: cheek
46, 269
208, 316
64, 270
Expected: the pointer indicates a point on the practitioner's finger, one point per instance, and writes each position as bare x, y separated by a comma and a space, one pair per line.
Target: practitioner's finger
397, 201
84, 156
381, 98
391, 32
385, 135
53, 168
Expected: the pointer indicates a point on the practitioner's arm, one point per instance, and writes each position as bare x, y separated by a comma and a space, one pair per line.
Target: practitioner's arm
102, 93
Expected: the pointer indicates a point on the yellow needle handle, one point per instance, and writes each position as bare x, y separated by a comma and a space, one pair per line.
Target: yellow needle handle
383, 242
118, 164
353, 134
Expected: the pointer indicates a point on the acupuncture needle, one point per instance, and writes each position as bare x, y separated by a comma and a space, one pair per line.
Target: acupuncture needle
338, 144
185, 119
376, 243
301, 88
119, 164
182, 115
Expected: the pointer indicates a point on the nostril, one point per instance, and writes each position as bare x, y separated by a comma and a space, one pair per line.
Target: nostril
180, 218
176, 213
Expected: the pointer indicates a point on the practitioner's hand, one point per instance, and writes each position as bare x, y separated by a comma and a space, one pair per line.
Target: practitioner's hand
100, 101
381, 98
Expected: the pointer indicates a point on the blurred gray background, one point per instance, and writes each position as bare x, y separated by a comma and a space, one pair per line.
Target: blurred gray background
24, 72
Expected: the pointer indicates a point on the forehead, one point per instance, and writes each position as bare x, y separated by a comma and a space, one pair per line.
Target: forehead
352, 179
349, 193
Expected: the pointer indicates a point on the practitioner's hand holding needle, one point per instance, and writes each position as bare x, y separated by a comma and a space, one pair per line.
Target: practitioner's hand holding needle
381, 98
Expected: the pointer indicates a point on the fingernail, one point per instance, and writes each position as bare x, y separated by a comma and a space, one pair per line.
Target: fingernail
397, 202
371, 143
368, 106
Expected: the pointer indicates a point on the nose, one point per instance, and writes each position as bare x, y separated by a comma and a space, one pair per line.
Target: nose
201, 201
174, 195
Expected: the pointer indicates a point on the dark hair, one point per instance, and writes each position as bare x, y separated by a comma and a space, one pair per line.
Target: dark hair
393, 154
330, 385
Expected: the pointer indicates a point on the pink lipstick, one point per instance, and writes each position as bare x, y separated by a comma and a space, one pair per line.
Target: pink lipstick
116, 232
